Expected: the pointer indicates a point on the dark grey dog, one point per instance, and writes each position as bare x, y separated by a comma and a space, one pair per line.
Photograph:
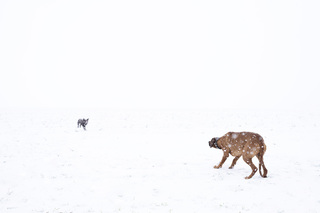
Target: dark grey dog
83, 123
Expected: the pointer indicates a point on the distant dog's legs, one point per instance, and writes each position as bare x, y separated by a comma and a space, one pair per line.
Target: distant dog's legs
234, 162
224, 158
253, 167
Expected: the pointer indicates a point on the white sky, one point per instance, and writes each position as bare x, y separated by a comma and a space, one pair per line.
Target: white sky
160, 54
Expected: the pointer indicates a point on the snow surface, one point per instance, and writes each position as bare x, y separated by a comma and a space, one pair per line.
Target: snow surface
154, 161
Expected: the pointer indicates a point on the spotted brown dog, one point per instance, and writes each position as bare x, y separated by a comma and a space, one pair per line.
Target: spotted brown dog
245, 144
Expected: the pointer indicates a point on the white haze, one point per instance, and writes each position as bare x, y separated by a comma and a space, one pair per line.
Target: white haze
160, 54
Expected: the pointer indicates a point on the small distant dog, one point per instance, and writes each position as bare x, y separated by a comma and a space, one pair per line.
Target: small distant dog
245, 144
83, 123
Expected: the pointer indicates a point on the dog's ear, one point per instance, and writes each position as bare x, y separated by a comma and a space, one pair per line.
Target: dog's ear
212, 142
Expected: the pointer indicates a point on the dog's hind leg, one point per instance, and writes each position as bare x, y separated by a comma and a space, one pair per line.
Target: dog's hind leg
253, 167
234, 162
261, 163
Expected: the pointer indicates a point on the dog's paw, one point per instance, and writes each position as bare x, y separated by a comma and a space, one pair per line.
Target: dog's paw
217, 167
231, 167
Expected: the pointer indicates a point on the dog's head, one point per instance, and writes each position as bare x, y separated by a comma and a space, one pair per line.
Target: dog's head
213, 143
85, 121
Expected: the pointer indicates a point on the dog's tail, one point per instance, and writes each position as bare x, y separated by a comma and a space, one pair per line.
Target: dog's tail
263, 149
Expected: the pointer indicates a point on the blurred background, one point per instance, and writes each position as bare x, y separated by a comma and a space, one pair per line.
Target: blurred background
160, 54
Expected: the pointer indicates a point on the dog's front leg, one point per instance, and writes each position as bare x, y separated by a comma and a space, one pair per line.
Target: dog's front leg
224, 158
234, 162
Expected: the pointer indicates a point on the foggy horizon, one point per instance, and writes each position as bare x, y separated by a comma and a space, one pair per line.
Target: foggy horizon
168, 54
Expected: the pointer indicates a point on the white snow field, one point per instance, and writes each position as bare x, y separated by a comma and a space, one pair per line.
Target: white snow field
154, 161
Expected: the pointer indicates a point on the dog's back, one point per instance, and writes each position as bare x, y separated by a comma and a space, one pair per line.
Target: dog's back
243, 143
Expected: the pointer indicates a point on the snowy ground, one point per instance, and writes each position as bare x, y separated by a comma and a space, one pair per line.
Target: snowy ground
154, 161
